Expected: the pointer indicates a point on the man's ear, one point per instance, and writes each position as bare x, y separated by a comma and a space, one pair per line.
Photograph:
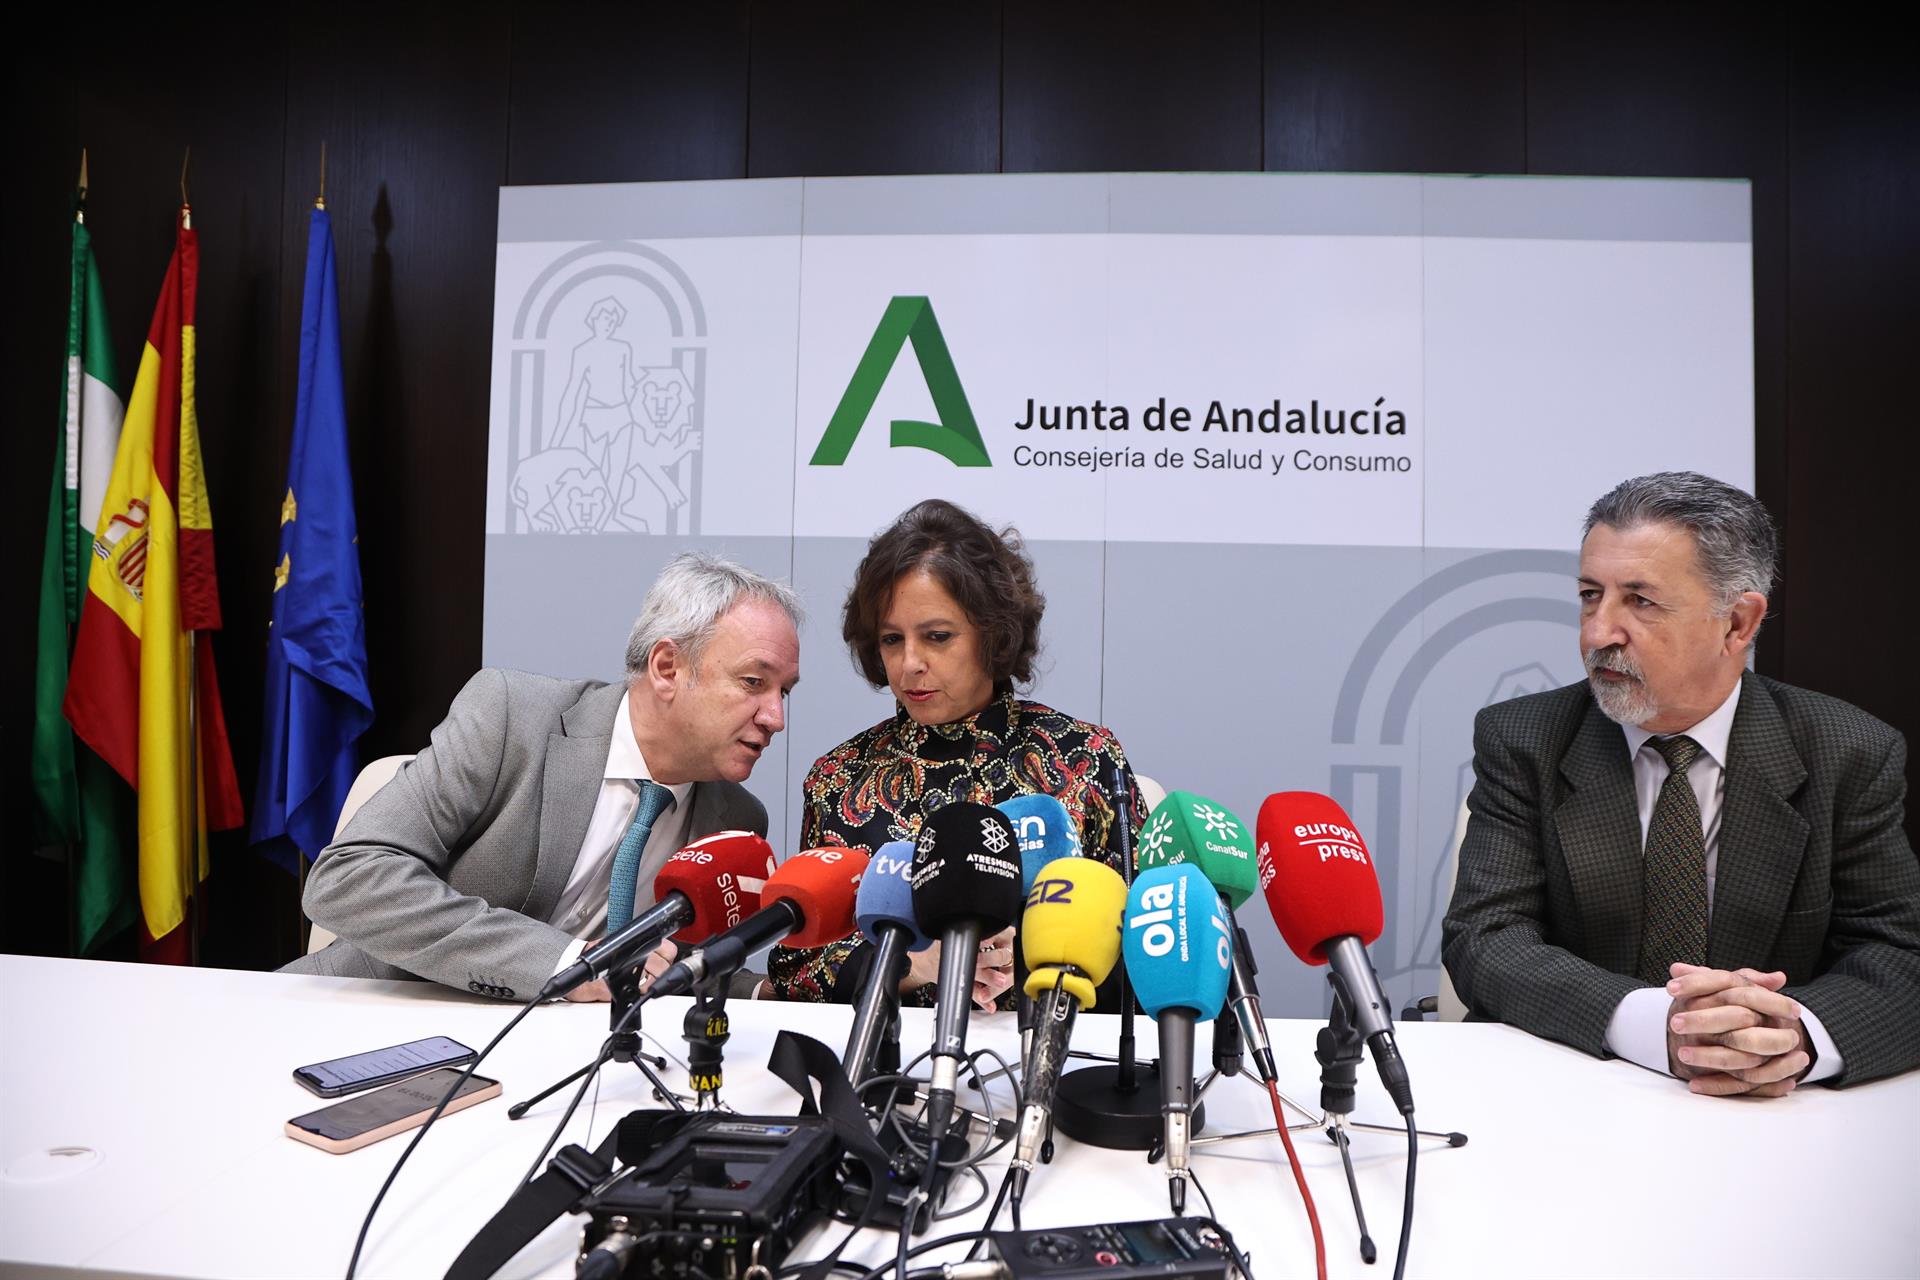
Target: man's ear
665, 666
1743, 620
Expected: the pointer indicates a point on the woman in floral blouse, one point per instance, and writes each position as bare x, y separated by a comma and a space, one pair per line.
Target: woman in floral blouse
944, 612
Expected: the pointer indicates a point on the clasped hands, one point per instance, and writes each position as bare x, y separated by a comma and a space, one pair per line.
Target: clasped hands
1733, 1033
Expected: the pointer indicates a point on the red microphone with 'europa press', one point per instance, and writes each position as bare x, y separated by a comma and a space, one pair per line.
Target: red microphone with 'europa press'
1320, 885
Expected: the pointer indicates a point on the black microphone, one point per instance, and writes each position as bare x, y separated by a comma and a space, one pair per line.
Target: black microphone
809, 903
966, 882
704, 888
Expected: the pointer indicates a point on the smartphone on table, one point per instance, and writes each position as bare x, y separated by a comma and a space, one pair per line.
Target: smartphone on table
338, 1077
358, 1122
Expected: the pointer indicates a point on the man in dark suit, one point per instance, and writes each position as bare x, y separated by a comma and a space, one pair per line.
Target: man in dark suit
538, 817
1682, 862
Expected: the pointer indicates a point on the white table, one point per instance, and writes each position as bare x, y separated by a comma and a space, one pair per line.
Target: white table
180, 1080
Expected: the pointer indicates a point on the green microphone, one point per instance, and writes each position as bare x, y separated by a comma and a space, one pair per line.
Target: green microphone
1189, 828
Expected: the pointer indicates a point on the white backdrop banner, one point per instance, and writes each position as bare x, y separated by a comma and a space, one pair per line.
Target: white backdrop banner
1301, 459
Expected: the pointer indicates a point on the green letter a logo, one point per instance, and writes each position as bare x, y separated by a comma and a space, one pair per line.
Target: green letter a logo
956, 437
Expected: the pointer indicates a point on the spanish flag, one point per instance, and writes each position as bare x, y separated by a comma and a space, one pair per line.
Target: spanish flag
140, 686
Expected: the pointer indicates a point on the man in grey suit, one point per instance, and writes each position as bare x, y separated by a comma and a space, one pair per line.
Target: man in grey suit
544, 807
1682, 862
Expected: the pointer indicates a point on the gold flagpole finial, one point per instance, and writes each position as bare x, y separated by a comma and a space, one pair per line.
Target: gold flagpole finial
186, 206
80, 201
320, 201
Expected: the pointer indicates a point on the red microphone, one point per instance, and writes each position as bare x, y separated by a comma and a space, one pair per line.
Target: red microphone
704, 888
721, 877
807, 902
1316, 873
1320, 885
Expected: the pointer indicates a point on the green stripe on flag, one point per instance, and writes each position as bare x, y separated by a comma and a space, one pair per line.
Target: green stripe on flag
79, 802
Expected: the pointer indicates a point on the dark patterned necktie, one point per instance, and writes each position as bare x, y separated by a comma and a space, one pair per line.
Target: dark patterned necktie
1675, 916
654, 801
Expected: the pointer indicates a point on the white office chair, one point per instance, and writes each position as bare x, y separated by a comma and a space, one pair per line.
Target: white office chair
375, 775
1447, 1002
1151, 792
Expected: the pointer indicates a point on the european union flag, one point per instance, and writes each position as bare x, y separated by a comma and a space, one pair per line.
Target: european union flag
317, 701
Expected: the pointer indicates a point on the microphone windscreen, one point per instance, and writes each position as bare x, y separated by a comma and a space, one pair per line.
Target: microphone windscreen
824, 884
722, 876
1185, 827
966, 869
1178, 942
1045, 831
1314, 868
1072, 921
886, 895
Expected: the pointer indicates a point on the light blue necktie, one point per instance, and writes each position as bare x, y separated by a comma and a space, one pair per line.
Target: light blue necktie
654, 801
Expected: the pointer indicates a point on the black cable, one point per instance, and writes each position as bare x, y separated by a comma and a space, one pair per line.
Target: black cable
1204, 1197
986, 1189
592, 1077
360, 1240
993, 1215
796, 1268
1240, 1259
1406, 1210
876, 1272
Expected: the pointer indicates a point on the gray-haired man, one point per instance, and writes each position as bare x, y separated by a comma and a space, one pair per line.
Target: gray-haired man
1682, 862
487, 862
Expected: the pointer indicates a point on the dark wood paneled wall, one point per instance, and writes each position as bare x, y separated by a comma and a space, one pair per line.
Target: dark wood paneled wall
427, 110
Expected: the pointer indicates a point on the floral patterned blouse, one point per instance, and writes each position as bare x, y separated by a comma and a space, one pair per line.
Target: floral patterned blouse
878, 785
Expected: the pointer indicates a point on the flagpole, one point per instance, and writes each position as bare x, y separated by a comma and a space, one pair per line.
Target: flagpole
196, 893
73, 849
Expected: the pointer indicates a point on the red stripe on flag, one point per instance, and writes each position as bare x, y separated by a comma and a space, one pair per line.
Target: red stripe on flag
221, 789
103, 694
199, 593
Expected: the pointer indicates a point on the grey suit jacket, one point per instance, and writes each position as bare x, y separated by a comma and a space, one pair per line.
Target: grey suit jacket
451, 870
1815, 876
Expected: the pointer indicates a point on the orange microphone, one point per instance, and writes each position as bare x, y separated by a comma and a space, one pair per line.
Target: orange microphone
808, 902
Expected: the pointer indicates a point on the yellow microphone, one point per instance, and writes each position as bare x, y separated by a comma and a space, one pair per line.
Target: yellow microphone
1070, 936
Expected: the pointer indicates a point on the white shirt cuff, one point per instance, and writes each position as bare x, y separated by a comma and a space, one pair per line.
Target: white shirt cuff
574, 951
1826, 1055
1638, 1031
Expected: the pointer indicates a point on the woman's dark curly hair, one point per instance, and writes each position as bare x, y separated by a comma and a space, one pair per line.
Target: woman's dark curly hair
987, 572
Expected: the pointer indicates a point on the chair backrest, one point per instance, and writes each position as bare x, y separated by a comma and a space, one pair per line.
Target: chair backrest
1151, 792
375, 775
1448, 1003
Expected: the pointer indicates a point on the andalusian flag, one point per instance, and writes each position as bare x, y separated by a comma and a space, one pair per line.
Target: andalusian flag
78, 801
141, 683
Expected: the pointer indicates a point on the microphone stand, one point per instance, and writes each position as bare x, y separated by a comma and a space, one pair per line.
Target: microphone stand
625, 984
1117, 1107
1339, 1049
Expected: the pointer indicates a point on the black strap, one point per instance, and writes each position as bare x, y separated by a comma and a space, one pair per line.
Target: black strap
798, 1060
571, 1173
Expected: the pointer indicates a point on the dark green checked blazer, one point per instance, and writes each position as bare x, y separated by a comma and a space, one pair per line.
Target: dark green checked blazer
1815, 875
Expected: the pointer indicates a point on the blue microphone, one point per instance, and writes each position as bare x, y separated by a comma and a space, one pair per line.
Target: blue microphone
1179, 949
884, 911
1045, 831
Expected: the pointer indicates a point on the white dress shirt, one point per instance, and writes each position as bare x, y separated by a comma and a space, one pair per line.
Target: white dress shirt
582, 908
1638, 1031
